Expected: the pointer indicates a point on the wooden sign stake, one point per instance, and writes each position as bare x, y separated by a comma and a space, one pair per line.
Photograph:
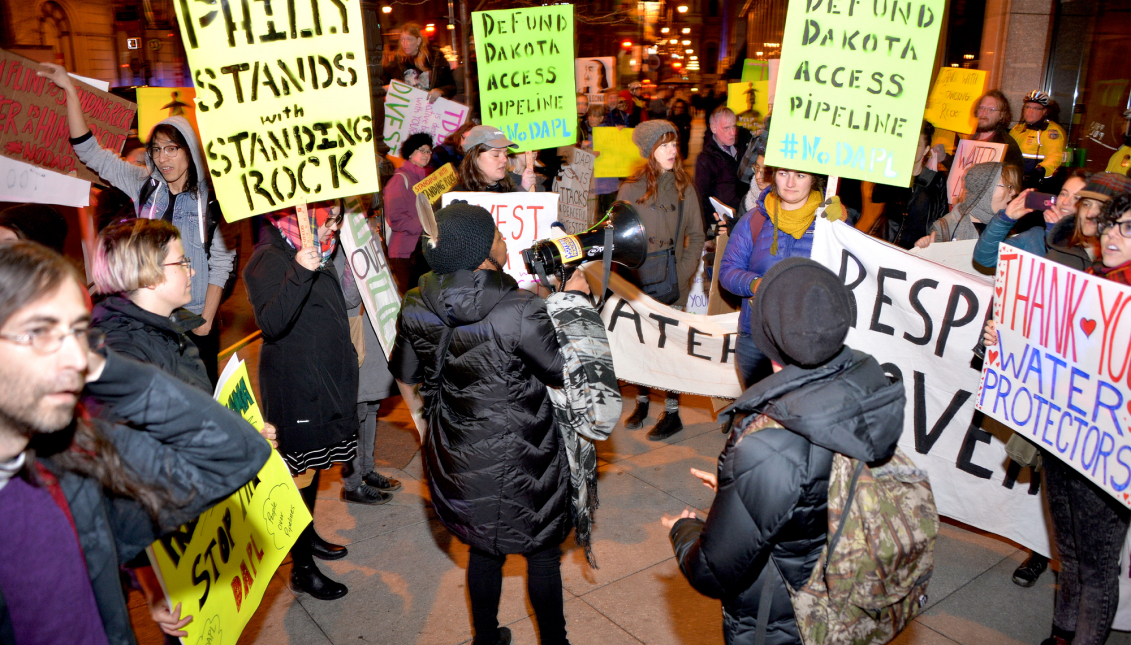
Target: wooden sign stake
305, 227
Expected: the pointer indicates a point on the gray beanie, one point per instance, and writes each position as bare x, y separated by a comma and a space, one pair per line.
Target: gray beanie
980, 181
466, 234
648, 133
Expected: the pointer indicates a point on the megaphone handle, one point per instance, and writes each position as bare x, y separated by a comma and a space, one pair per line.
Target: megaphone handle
606, 265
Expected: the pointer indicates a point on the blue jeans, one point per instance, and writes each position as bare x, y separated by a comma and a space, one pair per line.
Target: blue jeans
753, 366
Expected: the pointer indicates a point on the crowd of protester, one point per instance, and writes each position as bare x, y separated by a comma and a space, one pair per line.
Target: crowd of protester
139, 345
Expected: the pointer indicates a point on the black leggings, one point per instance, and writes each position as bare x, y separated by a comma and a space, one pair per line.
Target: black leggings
301, 552
543, 584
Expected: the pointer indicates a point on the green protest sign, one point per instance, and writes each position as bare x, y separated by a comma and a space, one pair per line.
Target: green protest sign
526, 74
852, 86
755, 70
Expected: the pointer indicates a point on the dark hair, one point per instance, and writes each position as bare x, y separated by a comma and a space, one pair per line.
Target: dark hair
927, 130
597, 110
1006, 109
472, 177
36, 222
455, 139
1114, 208
818, 179
415, 142
174, 134
680, 102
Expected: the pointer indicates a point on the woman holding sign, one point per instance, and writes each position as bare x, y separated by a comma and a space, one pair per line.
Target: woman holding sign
484, 169
405, 257
422, 67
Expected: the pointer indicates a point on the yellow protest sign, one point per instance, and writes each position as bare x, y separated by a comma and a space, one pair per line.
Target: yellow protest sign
283, 101
619, 156
437, 183
219, 565
526, 74
154, 104
954, 97
750, 101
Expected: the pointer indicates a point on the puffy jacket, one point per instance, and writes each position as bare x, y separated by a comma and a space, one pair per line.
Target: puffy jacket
746, 260
1039, 240
772, 499
150, 338
716, 175
496, 467
169, 434
308, 365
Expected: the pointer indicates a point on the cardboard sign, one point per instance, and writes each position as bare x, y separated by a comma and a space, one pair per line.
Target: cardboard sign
282, 101
437, 183
619, 155
33, 118
1059, 373
572, 186
853, 82
219, 565
595, 76
372, 274
954, 97
155, 104
521, 217
407, 111
968, 153
525, 56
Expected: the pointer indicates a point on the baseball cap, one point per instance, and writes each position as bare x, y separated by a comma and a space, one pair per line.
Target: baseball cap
487, 135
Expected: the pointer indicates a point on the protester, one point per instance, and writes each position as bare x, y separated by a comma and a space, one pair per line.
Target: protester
987, 188
35, 222
668, 206
1042, 142
174, 187
419, 65
78, 494
451, 149
771, 488
759, 179
496, 468
909, 212
300, 308
716, 168
994, 115
484, 169
680, 117
658, 106
584, 131
619, 115
405, 257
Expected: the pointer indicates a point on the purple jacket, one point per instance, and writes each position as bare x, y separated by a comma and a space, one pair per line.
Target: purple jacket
400, 210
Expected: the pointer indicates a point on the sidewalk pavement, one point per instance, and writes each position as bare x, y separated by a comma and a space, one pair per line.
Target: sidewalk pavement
406, 573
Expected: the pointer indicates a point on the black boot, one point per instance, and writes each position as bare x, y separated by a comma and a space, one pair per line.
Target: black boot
635, 421
1026, 575
668, 424
305, 576
324, 550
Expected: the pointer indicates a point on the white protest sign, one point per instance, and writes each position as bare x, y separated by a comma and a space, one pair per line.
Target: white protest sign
21, 182
957, 255
968, 153
572, 186
371, 273
923, 320
522, 218
697, 295
407, 111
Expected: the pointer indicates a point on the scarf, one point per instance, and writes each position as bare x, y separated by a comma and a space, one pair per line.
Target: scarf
589, 405
794, 222
1119, 275
287, 223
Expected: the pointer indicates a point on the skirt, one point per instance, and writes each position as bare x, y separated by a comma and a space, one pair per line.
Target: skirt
341, 452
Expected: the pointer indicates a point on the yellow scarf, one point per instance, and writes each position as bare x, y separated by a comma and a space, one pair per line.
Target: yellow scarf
794, 222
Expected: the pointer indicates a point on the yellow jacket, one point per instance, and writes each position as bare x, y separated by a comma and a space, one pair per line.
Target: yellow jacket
1045, 145
1120, 162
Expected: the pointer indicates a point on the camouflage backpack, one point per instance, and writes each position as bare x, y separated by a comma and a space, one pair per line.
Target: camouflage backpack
871, 578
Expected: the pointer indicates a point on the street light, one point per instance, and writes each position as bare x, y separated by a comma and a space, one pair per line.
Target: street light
687, 42
664, 30
386, 9
687, 30
681, 8
690, 51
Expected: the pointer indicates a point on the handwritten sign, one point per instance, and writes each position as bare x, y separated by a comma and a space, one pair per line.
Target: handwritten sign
372, 274
852, 85
282, 101
572, 186
219, 565
22, 182
595, 76
522, 218
407, 111
525, 56
954, 97
1059, 372
33, 118
969, 153
437, 183
619, 155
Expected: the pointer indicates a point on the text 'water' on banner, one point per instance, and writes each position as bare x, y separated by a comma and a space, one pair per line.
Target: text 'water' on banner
522, 218
33, 118
283, 105
852, 86
372, 274
954, 97
525, 60
407, 111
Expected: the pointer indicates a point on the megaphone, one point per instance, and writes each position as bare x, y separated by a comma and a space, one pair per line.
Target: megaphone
620, 234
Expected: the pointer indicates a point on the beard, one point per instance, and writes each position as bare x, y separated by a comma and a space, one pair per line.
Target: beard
25, 409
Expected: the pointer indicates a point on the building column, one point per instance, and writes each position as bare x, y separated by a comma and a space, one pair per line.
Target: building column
1015, 46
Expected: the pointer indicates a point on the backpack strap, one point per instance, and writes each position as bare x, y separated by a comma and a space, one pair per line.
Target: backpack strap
847, 508
765, 602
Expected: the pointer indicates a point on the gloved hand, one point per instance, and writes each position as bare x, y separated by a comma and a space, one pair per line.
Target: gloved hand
1035, 175
834, 210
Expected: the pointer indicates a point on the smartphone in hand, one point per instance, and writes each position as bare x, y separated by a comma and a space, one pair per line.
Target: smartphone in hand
1039, 201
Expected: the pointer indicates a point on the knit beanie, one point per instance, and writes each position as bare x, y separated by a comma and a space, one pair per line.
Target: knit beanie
36, 222
649, 132
800, 313
414, 142
980, 181
1103, 186
466, 234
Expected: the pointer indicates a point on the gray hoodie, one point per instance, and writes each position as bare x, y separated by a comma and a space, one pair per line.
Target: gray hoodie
214, 266
980, 182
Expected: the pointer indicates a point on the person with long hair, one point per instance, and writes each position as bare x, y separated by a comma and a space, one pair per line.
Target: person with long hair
663, 195
172, 186
986, 189
405, 256
419, 65
82, 491
484, 168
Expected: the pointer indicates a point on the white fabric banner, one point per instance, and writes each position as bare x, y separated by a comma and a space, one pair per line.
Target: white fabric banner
522, 218
407, 111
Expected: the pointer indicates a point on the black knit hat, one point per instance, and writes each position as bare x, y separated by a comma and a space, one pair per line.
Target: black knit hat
466, 234
414, 143
800, 313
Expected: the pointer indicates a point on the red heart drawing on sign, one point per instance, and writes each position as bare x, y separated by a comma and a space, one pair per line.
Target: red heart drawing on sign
998, 291
1129, 406
993, 359
1087, 325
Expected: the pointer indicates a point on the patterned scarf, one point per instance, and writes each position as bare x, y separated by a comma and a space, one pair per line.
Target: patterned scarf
794, 222
589, 405
287, 223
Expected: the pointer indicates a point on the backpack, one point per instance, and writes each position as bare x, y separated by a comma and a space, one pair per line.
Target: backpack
871, 578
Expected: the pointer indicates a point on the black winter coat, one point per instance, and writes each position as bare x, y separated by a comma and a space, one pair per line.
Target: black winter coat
496, 467
308, 365
153, 339
716, 175
910, 211
772, 498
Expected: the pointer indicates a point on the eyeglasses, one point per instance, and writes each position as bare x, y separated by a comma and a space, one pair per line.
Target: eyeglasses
49, 340
1124, 228
184, 262
982, 108
425, 151
170, 151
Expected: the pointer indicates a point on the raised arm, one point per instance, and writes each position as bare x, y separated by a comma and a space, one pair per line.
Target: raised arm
58, 75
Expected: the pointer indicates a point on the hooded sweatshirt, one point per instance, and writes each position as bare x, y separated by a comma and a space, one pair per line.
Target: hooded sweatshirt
980, 181
213, 265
